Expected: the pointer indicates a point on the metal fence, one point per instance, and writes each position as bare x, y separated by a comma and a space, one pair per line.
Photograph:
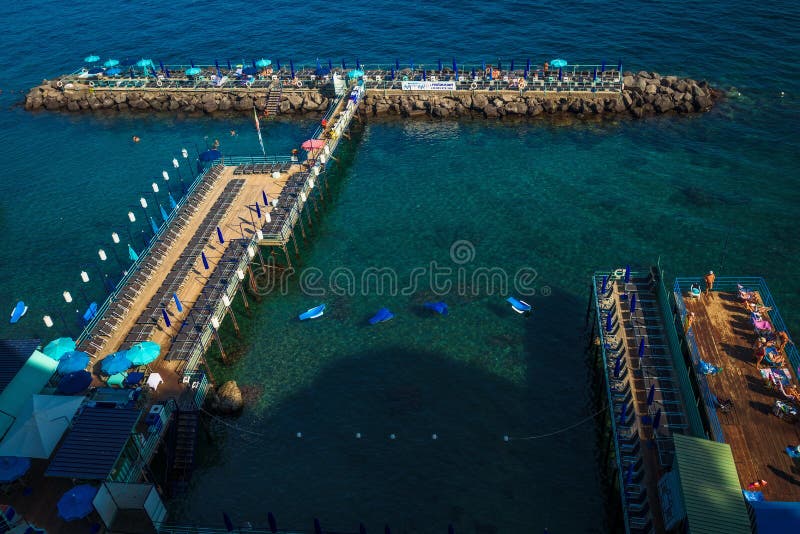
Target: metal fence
588, 78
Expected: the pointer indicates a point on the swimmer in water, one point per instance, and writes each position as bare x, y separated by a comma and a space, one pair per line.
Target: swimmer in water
136, 139
233, 133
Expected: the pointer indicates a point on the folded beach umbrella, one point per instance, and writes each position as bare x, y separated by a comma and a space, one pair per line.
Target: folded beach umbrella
74, 382
58, 347
132, 253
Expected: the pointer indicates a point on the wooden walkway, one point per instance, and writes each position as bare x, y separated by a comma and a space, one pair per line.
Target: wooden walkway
725, 338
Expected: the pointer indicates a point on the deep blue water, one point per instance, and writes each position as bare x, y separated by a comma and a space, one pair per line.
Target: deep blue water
713, 191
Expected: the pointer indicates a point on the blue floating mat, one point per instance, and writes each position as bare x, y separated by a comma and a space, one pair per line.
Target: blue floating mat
18, 311
793, 452
708, 368
91, 311
313, 313
438, 307
383, 315
519, 306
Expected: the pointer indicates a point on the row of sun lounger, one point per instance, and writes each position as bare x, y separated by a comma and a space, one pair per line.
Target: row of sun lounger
149, 263
262, 168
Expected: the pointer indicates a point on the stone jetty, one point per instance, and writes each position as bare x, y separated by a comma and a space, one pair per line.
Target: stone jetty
644, 93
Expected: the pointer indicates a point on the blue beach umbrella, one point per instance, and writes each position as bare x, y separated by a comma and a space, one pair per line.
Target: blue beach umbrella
618, 366
13, 467
163, 212
603, 66
254, 63
558, 63
627, 273
178, 304
114, 363
249, 71
205, 260
113, 71
277, 64
96, 70
229, 65
194, 71
77, 502
629, 474
411, 64
153, 225
455, 67
291, 67
111, 63
424, 76
219, 72
74, 382
58, 347
651, 394
161, 66
499, 64
392, 73
166, 73
358, 64
623, 412
91, 59
258, 210
72, 361
657, 420
144, 352
604, 285
219, 235
128, 62
483, 66
527, 64
130, 72
330, 64
172, 203
439, 65
512, 66
595, 74
608, 323
397, 64
191, 62
144, 63
273, 524
473, 72
619, 66
317, 526
228, 523
264, 197
633, 303
560, 75
132, 253
165, 315
641, 348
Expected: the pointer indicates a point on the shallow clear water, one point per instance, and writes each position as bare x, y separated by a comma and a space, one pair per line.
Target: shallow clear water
713, 191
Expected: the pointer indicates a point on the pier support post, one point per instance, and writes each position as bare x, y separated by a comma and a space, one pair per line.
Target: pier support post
235, 323
308, 216
219, 345
294, 241
589, 305
244, 298
288, 259
300, 223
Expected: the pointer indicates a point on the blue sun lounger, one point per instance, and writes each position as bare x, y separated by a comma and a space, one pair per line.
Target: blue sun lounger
313, 313
438, 307
383, 315
519, 306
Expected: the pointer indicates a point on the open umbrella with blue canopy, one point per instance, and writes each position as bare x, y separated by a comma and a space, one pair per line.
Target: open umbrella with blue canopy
132, 253
210, 155
77, 502
144, 63
111, 63
113, 71
74, 382
114, 363
356, 73
58, 347
193, 71
143, 353
263, 63
13, 467
91, 59
128, 62
558, 63
72, 361
95, 70
249, 71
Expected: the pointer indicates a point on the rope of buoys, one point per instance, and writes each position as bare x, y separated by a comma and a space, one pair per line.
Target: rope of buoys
562, 430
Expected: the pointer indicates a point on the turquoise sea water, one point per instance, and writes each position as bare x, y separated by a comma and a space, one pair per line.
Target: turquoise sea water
716, 191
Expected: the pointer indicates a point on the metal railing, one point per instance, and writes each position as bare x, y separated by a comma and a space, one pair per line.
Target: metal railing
589, 78
143, 257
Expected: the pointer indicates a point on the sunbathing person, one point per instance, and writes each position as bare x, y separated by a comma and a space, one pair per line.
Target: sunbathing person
782, 340
792, 392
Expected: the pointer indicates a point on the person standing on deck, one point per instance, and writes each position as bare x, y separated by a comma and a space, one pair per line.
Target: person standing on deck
709, 278
689, 321
782, 340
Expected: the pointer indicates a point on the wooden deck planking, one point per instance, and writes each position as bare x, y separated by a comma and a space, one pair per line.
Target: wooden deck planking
757, 438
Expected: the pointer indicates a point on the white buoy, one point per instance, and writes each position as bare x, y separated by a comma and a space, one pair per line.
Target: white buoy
48, 321
358, 435
299, 434
506, 438
434, 436
392, 436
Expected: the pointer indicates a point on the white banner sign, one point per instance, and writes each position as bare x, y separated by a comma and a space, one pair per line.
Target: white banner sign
429, 86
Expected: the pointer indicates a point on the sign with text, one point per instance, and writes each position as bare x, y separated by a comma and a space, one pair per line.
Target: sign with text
429, 86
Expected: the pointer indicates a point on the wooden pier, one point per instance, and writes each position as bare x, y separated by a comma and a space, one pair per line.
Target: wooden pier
202, 254
722, 334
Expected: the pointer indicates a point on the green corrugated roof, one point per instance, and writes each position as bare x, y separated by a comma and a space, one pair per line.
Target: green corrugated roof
710, 485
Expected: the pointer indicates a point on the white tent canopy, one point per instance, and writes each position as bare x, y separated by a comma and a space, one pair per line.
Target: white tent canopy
39, 426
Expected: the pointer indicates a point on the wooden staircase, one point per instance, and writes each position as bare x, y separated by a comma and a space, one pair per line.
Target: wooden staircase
187, 424
273, 106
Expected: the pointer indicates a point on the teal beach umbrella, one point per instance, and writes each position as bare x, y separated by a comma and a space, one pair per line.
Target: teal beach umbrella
194, 71
263, 63
143, 353
58, 347
91, 59
558, 63
132, 253
355, 73
111, 63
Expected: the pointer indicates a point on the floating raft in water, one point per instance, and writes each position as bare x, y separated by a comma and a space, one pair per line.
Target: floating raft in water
438, 307
383, 315
19, 310
313, 313
519, 306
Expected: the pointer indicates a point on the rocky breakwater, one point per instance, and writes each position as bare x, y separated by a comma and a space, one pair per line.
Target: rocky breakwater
644, 93
81, 97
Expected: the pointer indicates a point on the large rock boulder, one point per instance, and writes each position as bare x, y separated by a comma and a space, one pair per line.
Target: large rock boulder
227, 399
